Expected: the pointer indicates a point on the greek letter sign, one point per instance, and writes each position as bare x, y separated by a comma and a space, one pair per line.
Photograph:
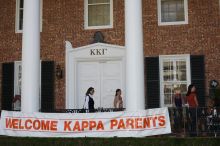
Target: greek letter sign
121, 124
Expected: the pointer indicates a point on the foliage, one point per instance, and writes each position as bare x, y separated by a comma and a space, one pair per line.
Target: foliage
148, 141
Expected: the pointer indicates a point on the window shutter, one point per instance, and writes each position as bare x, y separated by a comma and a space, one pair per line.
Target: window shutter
7, 85
47, 86
198, 77
152, 82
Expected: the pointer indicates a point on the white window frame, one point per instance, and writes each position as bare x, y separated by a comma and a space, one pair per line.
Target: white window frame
172, 23
17, 13
97, 27
172, 57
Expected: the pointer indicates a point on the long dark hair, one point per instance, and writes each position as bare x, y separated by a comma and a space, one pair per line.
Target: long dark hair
189, 89
89, 90
117, 90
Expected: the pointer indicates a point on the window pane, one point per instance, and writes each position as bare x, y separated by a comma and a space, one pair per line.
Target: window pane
99, 15
168, 72
21, 4
19, 80
172, 10
169, 92
21, 20
181, 70
174, 76
98, 1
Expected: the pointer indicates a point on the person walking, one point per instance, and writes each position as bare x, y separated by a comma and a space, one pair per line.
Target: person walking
89, 101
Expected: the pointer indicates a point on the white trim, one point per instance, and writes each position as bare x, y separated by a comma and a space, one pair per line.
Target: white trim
219, 6
188, 69
73, 56
17, 13
97, 27
172, 23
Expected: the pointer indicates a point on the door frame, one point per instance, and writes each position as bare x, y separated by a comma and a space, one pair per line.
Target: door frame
93, 52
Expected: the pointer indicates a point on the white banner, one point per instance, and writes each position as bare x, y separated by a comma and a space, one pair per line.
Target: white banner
109, 124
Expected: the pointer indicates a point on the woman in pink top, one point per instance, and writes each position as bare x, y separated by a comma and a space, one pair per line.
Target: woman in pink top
118, 102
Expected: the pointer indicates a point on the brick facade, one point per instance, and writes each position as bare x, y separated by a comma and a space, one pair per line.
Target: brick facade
63, 20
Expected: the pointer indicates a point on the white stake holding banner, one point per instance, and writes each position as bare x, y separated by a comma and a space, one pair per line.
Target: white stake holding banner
122, 124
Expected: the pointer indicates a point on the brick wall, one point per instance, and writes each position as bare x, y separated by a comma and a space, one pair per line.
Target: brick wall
201, 36
63, 20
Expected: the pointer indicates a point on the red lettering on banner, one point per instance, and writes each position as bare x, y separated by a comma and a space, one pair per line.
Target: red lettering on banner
154, 121
20, 125
113, 123
147, 122
100, 126
14, 123
85, 125
8, 123
76, 126
162, 121
130, 123
26, 124
121, 124
45, 125
92, 124
53, 126
36, 125
67, 125
138, 123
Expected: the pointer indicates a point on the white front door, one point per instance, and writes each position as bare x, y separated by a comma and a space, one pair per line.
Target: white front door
104, 76
111, 79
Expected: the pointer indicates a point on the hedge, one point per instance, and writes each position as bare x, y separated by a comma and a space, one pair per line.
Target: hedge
148, 141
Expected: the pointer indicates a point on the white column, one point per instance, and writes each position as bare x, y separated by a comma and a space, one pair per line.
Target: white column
134, 55
31, 57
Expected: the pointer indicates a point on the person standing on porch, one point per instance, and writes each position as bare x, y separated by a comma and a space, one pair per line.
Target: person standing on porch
191, 96
118, 102
192, 101
178, 112
89, 102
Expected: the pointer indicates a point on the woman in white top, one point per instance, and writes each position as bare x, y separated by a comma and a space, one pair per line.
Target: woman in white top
89, 102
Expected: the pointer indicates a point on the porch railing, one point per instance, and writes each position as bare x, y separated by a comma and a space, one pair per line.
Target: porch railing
202, 121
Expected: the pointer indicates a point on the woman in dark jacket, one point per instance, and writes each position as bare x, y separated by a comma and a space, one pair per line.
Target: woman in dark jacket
89, 102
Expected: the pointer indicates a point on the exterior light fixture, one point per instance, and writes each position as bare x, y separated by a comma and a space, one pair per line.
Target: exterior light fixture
59, 72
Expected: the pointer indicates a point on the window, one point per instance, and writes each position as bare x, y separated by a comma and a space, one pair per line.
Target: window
174, 72
98, 14
17, 86
19, 15
17, 76
172, 12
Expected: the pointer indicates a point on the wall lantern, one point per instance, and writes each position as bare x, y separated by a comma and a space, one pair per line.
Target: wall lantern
59, 72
